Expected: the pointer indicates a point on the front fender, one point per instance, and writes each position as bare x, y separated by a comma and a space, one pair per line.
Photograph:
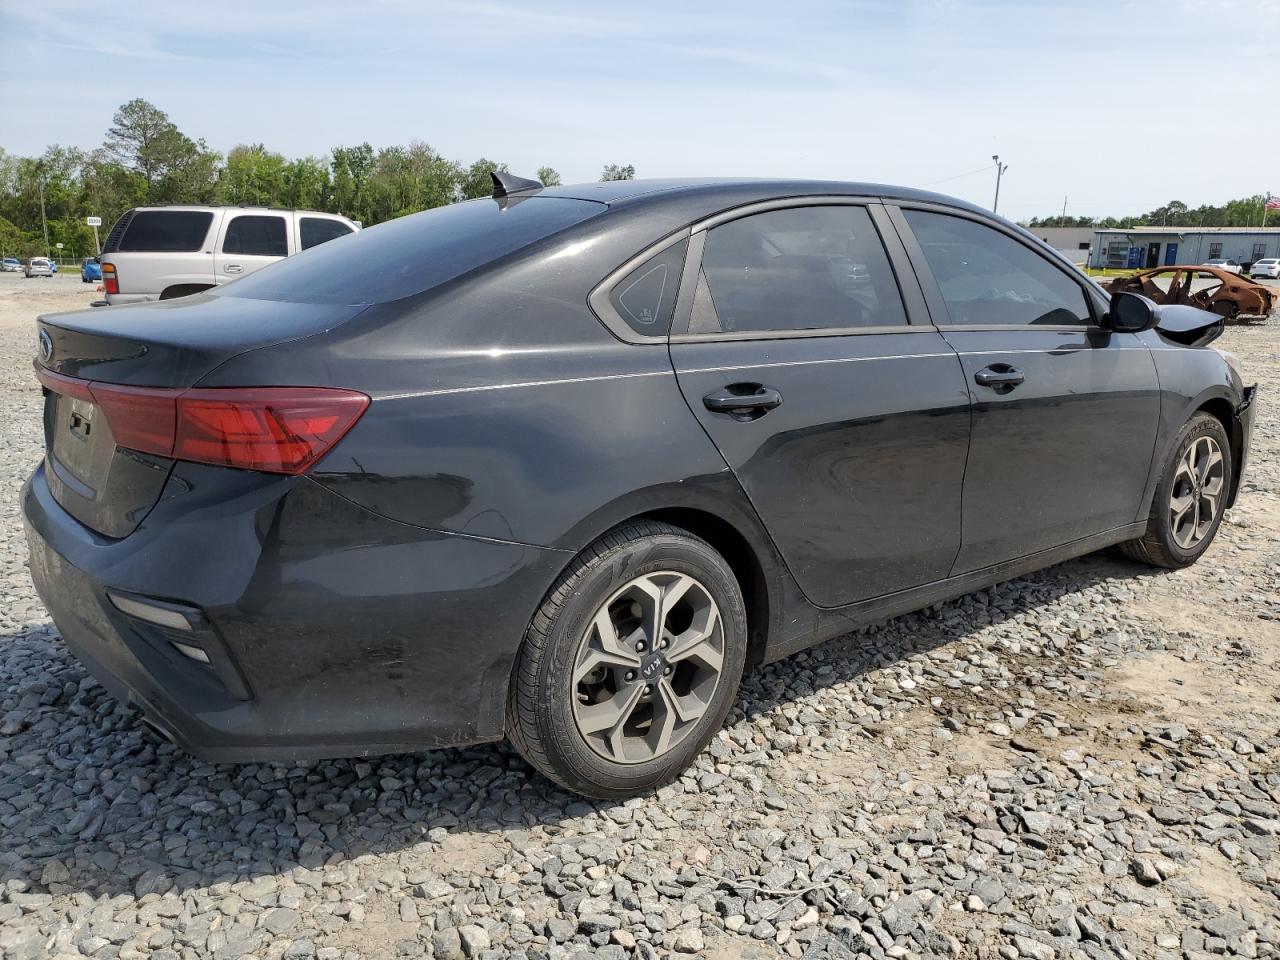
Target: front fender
1192, 379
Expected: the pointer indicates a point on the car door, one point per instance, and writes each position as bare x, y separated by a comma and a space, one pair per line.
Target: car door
1065, 414
248, 242
807, 357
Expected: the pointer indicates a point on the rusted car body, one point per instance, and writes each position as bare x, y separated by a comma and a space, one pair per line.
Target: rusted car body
1226, 294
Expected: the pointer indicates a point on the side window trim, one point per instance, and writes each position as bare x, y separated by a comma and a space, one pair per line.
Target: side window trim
909, 291
933, 294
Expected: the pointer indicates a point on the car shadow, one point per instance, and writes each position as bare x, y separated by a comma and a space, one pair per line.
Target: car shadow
92, 801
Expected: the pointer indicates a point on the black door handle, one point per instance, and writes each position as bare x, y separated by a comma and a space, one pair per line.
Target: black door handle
999, 376
743, 401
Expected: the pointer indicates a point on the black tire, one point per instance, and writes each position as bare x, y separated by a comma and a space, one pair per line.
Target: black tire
541, 722
1158, 546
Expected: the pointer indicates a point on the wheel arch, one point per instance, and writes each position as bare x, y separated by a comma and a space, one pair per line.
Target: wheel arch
176, 290
729, 542
1224, 411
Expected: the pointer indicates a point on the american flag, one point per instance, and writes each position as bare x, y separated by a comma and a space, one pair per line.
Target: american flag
1273, 203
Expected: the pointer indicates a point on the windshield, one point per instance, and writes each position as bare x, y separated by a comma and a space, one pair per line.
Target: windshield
411, 254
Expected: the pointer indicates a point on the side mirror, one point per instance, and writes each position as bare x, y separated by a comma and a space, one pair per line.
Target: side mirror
1130, 313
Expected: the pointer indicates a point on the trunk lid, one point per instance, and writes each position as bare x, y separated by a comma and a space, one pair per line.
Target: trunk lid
170, 344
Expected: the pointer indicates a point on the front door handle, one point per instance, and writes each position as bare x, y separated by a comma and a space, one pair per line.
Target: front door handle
232, 268
999, 376
743, 401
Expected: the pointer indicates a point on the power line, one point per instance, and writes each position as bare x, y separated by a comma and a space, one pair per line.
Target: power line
971, 173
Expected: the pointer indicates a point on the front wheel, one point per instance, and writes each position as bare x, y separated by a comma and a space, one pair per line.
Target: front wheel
1190, 497
631, 664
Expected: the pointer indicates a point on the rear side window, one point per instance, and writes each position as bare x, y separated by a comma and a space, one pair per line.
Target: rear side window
806, 268
987, 277
313, 231
645, 297
166, 231
411, 254
256, 236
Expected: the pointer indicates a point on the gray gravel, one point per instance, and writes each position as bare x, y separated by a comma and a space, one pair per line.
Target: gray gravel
1081, 763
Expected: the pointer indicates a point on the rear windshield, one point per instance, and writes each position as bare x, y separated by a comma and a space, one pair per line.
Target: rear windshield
166, 231
411, 254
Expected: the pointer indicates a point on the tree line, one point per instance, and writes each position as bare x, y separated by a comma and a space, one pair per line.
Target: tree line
146, 159
1245, 212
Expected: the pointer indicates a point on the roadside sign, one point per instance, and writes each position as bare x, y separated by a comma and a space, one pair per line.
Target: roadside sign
58, 245
93, 221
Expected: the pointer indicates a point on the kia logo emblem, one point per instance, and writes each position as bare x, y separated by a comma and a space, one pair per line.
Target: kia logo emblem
46, 346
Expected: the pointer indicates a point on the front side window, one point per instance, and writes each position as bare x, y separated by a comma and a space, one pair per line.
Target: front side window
804, 268
256, 236
987, 277
314, 231
165, 231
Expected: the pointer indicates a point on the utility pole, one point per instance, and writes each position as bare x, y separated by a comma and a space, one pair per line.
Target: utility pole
1000, 169
1062, 222
43, 221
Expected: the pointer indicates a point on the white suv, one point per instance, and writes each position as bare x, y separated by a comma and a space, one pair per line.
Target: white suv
158, 253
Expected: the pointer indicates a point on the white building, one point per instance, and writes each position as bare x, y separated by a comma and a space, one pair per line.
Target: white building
1146, 247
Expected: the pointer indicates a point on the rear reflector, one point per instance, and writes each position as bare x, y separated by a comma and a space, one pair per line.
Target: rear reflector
110, 282
271, 429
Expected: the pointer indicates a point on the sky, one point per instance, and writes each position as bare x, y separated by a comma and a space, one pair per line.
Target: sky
1118, 106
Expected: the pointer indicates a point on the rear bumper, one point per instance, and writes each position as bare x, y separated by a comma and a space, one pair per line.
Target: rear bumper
118, 299
354, 635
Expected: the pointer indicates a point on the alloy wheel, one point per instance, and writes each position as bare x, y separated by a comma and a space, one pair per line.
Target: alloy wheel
1198, 484
647, 667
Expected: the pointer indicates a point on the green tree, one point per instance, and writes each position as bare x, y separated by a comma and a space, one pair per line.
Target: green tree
143, 138
613, 171
549, 176
476, 181
306, 184
253, 175
350, 167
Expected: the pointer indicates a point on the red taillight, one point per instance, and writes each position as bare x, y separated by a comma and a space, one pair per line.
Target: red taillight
110, 282
272, 429
275, 429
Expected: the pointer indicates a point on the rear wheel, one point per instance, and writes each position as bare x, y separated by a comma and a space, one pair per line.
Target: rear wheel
631, 664
1190, 497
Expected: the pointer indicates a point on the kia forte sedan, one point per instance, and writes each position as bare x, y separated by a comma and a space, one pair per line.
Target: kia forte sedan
558, 465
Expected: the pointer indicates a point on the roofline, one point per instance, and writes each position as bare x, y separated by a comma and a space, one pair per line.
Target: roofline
233, 206
1181, 230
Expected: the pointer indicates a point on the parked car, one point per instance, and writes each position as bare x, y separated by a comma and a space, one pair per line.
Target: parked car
1227, 266
558, 465
37, 267
10, 265
90, 270
159, 253
1209, 288
1269, 268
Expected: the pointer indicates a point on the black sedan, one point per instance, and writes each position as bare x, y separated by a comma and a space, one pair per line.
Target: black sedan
559, 465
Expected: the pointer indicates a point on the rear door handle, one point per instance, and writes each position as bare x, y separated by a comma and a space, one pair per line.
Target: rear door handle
232, 268
999, 376
743, 401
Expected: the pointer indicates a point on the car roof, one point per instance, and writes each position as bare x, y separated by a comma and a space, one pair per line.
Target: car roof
719, 193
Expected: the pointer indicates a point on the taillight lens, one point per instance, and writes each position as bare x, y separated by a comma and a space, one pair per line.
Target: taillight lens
271, 429
110, 282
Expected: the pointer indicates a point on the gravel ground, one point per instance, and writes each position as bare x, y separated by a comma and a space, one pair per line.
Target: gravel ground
1081, 763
